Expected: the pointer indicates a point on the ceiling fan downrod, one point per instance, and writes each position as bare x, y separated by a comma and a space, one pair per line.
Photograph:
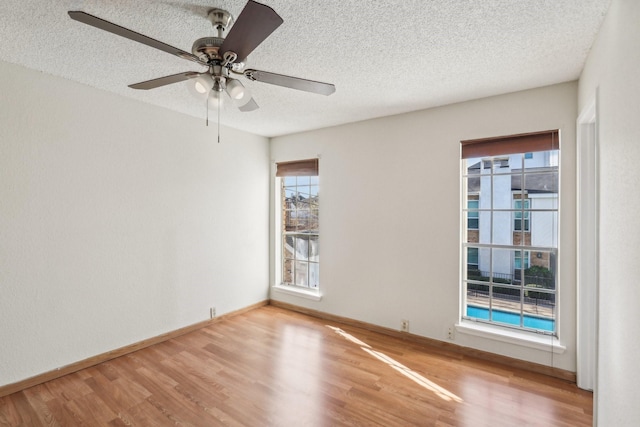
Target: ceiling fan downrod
208, 48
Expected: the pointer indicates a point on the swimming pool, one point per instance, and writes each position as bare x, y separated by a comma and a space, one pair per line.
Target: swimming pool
511, 318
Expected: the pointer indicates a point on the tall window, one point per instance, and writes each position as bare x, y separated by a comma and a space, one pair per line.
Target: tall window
299, 197
510, 217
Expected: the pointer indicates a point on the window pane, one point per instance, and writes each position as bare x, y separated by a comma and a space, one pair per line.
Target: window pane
302, 274
314, 249
502, 165
472, 256
539, 310
541, 183
472, 166
289, 181
304, 221
289, 193
288, 247
302, 247
484, 265
501, 192
313, 221
517, 225
287, 271
289, 220
473, 184
506, 305
521, 215
314, 274
303, 197
473, 235
545, 225
501, 228
518, 261
541, 273
473, 215
506, 298
502, 266
477, 297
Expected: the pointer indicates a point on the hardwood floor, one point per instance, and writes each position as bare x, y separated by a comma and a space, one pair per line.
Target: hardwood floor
273, 367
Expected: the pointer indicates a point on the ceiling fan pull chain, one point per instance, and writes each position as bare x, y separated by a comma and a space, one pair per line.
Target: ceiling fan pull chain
219, 97
207, 103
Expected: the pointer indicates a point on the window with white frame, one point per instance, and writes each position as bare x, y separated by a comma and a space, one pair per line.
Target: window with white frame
299, 208
521, 214
472, 214
520, 262
472, 259
509, 259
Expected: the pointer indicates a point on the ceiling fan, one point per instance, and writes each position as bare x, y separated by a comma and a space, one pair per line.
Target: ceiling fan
223, 56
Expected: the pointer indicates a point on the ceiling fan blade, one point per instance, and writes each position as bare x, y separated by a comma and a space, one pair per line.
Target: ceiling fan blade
94, 21
167, 80
251, 105
290, 82
254, 24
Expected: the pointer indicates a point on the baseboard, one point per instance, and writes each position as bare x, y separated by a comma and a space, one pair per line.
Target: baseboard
104, 357
440, 345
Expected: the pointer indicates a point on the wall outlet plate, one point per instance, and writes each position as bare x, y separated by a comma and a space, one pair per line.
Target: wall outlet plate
404, 325
212, 312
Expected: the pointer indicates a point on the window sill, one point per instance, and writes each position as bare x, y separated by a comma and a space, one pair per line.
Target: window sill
311, 294
524, 339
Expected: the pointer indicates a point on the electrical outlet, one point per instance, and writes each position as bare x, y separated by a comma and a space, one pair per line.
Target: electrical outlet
450, 333
212, 312
404, 325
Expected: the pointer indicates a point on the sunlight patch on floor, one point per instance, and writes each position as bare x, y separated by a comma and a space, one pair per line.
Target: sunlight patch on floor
419, 379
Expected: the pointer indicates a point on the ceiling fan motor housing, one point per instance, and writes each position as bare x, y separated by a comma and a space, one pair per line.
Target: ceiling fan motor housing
206, 48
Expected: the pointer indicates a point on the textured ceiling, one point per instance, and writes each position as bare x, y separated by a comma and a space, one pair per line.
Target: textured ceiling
385, 57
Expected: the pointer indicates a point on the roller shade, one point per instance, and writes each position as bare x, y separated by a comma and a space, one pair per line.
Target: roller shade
521, 143
307, 167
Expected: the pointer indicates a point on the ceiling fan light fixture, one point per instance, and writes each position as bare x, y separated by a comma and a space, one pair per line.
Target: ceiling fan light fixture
216, 99
235, 89
244, 99
200, 86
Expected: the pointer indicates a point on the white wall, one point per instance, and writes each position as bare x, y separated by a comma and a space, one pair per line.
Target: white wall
119, 221
612, 71
390, 213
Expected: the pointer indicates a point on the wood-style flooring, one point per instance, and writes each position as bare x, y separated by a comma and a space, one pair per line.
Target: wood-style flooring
274, 367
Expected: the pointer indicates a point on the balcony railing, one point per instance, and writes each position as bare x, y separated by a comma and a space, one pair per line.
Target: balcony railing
533, 280
529, 299
537, 289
